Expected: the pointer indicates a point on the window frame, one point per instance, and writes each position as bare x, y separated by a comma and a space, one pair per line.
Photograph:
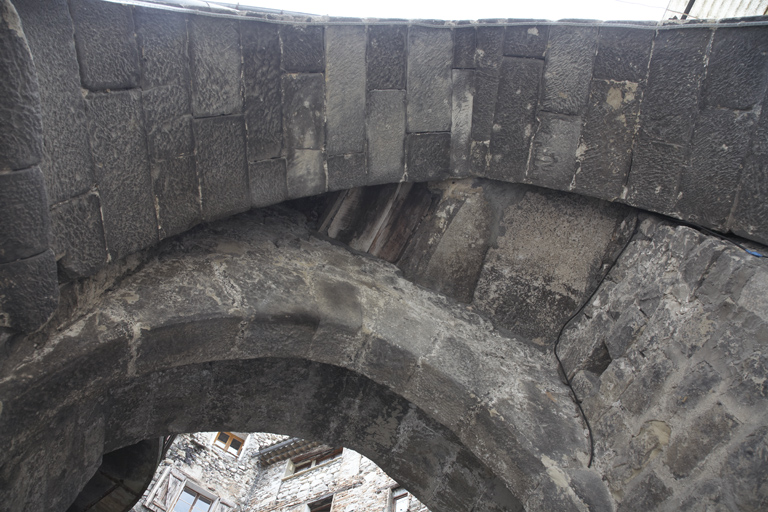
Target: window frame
198, 491
321, 505
228, 443
310, 463
396, 494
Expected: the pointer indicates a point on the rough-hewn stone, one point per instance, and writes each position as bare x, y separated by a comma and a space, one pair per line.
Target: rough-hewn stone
461, 122
430, 55
568, 69
24, 213
386, 136
528, 41
464, 45
429, 156
168, 122
692, 446
267, 182
177, 195
386, 57
305, 174
302, 48
78, 235
215, 66
490, 41
655, 174
30, 292
303, 111
345, 90
346, 171
623, 53
553, 152
163, 41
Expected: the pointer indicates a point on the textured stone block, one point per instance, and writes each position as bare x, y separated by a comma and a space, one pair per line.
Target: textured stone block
24, 213
568, 69
526, 41
718, 148
78, 236
305, 175
302, 48
461, 122
263, 95
177, 195
345, 89
168, 122
691, 447
214, 53
605, 152
162, 38
267, 182
346, 171
29, 292
106, 44
386, 136
221, 166
119, 150
490, 42
654, 175
553, 154
515, 118
671, 100
464, 46
429, 156
303, 111
21, 143
750, 217
386, 57
430, 55
623, 53
737, 70
67, 164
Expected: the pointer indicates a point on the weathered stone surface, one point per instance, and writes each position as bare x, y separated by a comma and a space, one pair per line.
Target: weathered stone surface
386, 57
490, 41
345, 89
461, 122
302, 48
386, 136
568, 69
162, 38
303, 111
736, 70
29, 292
168, 122
670, 101
263, 94
346, 171
78, 236
21, 143
430, 55
528, 41
605, 150
654, 175
305, 175
743, 473
647, 495
119, 146
697, 384
553, 155
215, 66
429, 156
623, 53
221, 166
267, 182
708, 186
106, 44
177, 195
515, 118
24, 213
464, 45
67, 164
691, 447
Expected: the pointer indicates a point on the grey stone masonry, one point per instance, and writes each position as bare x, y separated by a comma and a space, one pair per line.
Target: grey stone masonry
430, 56
22, 198
345, 87
386, 57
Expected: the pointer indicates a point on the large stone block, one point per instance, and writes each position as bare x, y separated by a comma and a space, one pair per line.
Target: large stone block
750, 216
430, 55
490, 41
29, 292
654, 175
461, 122
345, 89
347, 171
267, 182
305, 175
163, 41
689, 448
386, 57
553, 153
528, 41
24, 213
263, 94
303, 111
177, 195
464, 46
742, 474
67, 164
221, 166
623, 53
78, 236
671, 100
302, 48
568, 69
605, 151
168, 122
214, 53
386, 136
515, 120
119, 146
105, 38
429, 156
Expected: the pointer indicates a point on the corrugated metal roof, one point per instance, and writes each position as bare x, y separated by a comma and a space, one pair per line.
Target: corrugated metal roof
717, 9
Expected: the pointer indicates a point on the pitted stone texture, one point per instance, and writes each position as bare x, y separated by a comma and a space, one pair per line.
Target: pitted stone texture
464, 46
461, 122
346, 171
29, 292
690, 448
119, 146
305, 175
490, 41
163, 41
221, 166
215, 65
553, 152
78, 236
24, 213
386, 136
21, 143
267, 182
302, 48
303, 111
169, 122
67, 164
655, 175
386, 57
429, 156
623, 53
345, 89
263, 94
430, 56
177, 195
528, 41
568, 69
106, 44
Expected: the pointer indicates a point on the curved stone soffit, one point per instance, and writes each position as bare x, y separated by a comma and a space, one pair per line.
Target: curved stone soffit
237, 326
193, 117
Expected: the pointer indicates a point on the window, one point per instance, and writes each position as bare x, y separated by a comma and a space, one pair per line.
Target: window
323, 505
400, 499
229, 442
192, 501
306, 462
